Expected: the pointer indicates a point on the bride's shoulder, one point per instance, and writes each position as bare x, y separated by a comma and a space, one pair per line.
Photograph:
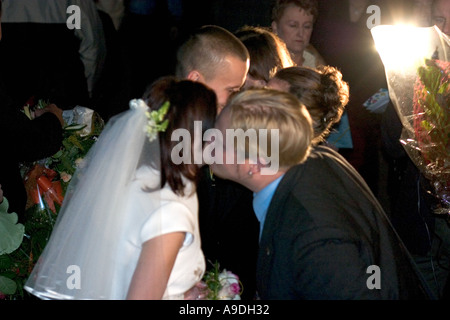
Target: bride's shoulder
147, 177
148, 180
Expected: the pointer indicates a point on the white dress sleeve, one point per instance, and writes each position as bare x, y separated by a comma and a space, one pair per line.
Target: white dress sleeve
157, 213
170, 217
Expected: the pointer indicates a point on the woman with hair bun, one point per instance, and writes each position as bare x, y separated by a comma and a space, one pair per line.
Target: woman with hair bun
322, 91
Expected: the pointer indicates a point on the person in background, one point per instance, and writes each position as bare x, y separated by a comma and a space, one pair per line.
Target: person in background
114, 8
268, 54
441, 15
228, 226
293, 21
422, 12
67, 73
321, 90
113, 89
426, 235
22, 140
25, 140
342, 37
323, 234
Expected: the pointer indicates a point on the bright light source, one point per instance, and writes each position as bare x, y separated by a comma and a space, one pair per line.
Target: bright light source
401, 46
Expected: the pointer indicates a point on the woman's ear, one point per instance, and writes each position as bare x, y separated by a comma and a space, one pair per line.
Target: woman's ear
274, 27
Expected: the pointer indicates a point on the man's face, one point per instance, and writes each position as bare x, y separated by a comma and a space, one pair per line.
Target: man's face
224, 170
229, 79
441, 15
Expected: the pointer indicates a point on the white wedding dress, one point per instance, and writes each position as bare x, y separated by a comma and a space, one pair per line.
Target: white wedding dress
113, 205
150, 215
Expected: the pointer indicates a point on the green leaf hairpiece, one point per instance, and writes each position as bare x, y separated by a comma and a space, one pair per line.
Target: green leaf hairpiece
156, 122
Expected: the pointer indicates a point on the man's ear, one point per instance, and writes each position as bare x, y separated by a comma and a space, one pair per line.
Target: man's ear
256, 167
194, 75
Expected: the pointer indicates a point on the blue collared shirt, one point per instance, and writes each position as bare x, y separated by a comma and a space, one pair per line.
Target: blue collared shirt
261, 202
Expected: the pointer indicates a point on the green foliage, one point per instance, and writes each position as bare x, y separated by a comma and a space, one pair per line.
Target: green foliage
18, 265
11, 231
12, 236
431, 148
7, 286
435, 102
75, 146
211, 278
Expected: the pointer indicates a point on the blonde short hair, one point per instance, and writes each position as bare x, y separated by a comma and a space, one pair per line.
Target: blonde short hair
269, 109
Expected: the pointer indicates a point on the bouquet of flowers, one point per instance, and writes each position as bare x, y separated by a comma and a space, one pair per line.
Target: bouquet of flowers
45, 181
222, 285
418, 73
431, 149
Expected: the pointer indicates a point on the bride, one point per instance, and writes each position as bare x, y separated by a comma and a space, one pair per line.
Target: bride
128, 227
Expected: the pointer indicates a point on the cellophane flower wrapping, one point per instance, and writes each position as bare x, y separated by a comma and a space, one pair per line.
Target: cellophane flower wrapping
417, 68
46, 180
45, 197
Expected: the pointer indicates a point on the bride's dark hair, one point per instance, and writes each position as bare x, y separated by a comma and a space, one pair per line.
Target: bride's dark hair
189, 101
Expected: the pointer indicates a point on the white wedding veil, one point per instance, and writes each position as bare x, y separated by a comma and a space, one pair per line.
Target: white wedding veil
86, 234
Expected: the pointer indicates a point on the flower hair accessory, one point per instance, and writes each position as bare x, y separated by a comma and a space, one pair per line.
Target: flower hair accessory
156, 122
